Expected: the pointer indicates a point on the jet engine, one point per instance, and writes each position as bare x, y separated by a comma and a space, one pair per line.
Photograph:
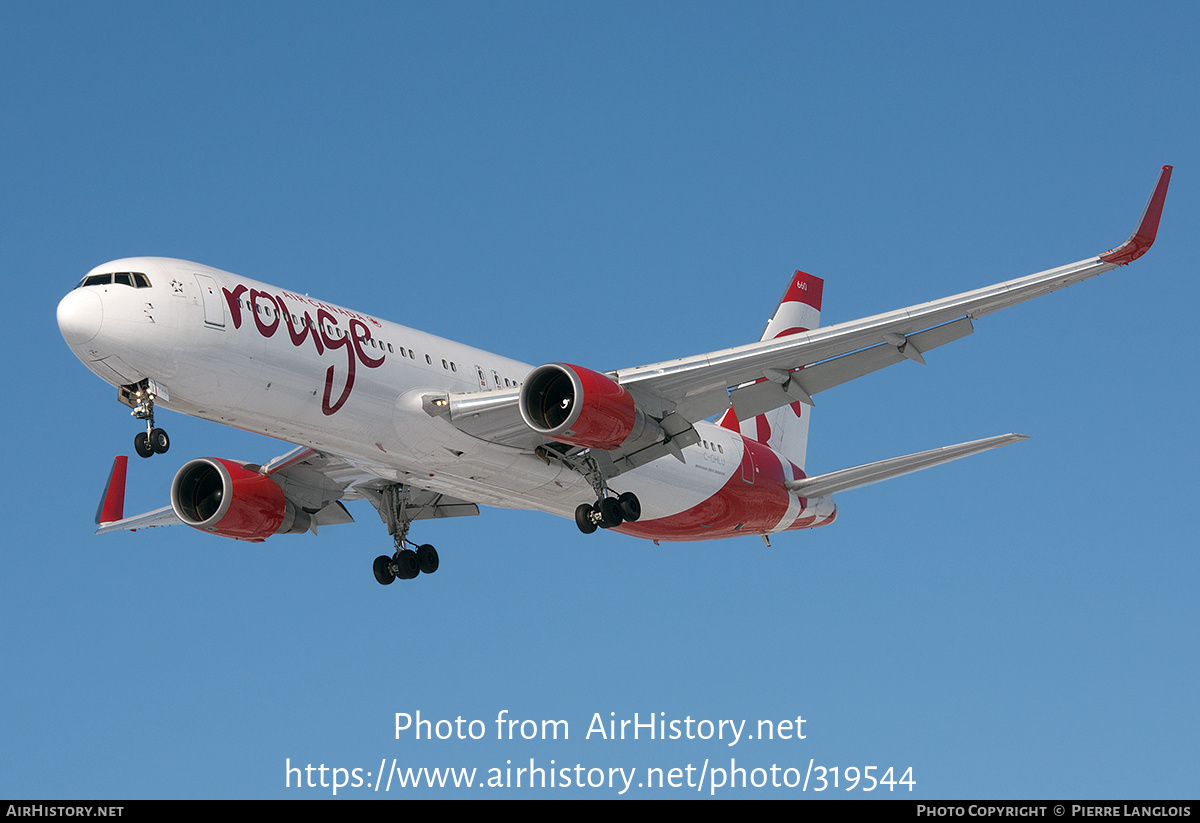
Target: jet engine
581, 407
228, 498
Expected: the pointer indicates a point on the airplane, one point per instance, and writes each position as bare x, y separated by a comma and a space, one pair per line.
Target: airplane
703, 447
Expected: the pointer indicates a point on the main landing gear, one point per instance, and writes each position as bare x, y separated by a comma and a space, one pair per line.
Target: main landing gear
608, 512
152, 440
404, 564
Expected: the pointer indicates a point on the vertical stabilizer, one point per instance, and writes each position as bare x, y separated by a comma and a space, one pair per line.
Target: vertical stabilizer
786, 429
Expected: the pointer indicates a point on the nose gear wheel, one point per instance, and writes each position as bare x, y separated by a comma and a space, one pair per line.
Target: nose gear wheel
141, 398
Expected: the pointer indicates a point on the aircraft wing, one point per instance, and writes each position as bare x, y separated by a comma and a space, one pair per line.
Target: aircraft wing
317, 480
706, 384
110, 512
159, 517
312, 481
761, 376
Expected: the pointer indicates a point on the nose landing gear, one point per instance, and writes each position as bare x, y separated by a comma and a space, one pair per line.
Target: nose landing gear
141, 398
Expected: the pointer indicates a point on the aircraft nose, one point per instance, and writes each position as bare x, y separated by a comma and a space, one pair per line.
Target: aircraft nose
79, 316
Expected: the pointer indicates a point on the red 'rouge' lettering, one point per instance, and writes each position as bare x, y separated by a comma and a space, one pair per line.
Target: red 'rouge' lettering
306, 325
235, 304
359, 342
269, 308
324, 317
354, 341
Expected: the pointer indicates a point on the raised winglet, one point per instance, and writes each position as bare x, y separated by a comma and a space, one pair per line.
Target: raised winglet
112, 501
1143, 236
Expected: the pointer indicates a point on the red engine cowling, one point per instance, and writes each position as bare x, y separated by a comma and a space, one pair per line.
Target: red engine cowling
578, 406
229, 499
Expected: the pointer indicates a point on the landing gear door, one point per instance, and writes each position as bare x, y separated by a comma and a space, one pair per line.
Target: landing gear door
214, 304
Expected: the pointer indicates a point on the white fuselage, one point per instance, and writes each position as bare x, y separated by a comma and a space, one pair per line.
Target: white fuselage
242, 353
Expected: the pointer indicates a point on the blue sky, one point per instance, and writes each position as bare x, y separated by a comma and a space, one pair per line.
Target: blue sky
616, 184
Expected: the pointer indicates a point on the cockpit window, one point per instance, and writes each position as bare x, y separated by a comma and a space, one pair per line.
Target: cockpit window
96, 280
122, 278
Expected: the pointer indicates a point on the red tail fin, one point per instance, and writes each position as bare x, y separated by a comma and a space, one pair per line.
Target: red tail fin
786, 429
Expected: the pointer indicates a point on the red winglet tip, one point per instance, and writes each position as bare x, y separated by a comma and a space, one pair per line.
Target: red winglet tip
1143, 236
112, 501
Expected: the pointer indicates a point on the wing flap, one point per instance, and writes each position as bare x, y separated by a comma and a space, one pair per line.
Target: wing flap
333, 514
314, 480
761, 397
421, 504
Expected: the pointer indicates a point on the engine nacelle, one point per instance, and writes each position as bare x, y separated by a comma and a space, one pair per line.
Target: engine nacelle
229, 499
581, 407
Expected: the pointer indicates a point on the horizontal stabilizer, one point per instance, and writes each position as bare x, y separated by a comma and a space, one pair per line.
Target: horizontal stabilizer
868, 473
